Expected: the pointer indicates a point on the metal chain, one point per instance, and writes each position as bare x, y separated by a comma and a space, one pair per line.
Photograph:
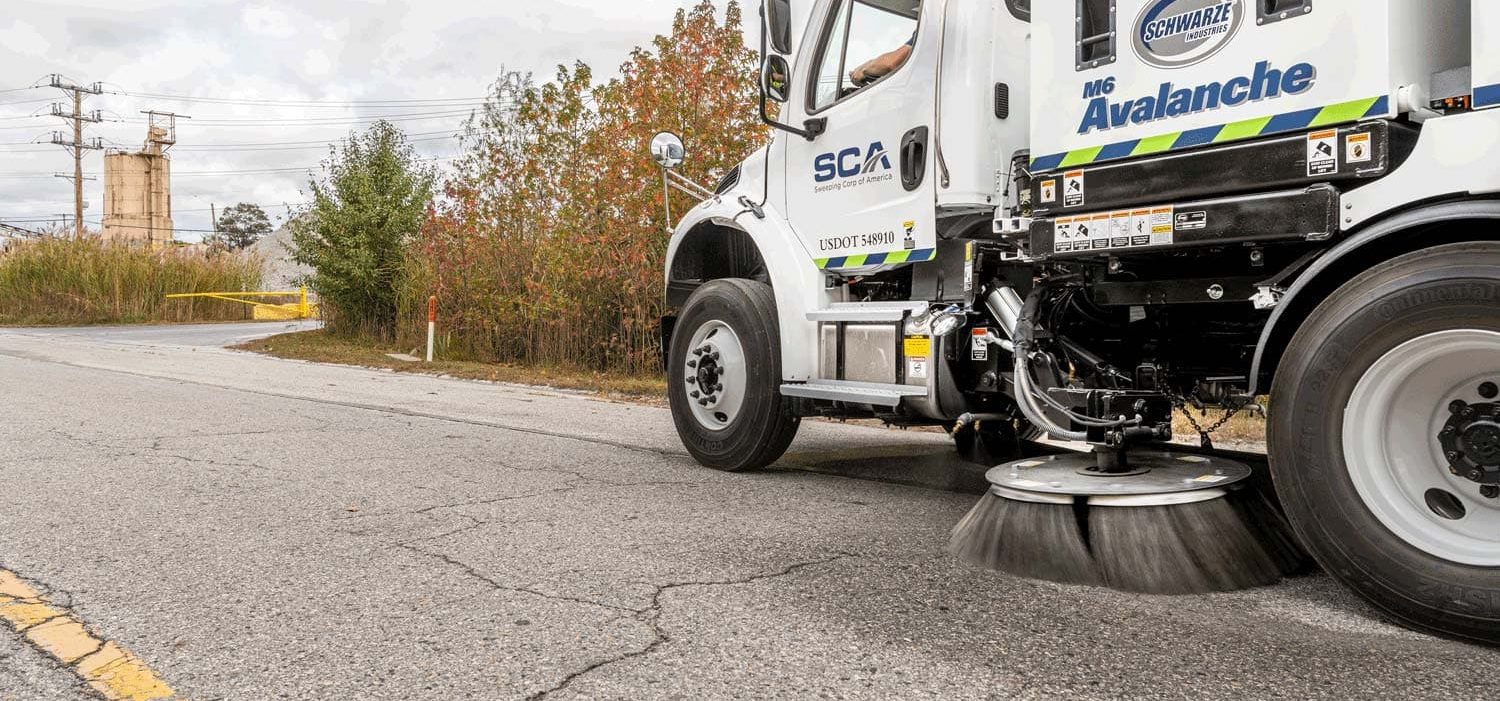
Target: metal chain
1203, 434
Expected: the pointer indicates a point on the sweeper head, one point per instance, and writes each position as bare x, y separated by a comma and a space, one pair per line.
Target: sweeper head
1169, 524
1131, 515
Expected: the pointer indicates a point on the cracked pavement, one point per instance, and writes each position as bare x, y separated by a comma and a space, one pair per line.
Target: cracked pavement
255, 528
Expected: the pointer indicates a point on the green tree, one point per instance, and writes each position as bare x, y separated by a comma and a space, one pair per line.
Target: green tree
240, 226
373, 198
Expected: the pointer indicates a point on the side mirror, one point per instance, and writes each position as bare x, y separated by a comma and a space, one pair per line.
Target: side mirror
667, 150
779, 17
775, 80
777, 76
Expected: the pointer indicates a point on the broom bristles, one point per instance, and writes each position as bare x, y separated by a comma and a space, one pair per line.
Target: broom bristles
1235, 542
1272, 530
1180, 549
1035, 541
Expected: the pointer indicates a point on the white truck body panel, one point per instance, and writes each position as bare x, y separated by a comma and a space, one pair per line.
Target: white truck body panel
1486, 46
1455, 155
844, 192
978, 145
1193, 72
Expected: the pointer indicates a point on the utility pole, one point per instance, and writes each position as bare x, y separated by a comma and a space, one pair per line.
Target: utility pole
213, 216
76, 146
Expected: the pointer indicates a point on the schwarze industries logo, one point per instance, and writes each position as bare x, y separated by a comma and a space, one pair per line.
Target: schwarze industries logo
1181, 33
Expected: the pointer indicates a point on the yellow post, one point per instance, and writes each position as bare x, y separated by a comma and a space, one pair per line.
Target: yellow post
302, 302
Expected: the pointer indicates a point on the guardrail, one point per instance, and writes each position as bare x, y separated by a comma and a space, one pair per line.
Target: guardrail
301, 309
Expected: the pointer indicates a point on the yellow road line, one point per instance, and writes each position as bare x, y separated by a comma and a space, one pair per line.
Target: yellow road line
110, 669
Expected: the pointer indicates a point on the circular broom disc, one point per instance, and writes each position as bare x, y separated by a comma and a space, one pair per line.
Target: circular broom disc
1168, 474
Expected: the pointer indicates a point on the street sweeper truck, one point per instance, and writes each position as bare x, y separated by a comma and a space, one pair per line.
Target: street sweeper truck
1065, 222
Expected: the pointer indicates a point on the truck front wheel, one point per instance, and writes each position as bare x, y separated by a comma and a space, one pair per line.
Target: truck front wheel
1385, 438
724, 377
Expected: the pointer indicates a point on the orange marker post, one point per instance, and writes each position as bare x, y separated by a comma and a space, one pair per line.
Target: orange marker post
431, 324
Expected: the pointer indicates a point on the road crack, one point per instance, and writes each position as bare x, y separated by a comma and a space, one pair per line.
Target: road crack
651, 617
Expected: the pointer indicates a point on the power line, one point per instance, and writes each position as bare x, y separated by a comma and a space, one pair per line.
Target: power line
434, 102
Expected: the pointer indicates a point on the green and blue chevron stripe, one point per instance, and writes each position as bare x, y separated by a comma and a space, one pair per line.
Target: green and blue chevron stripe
1250, 128
872, 259
1487, 96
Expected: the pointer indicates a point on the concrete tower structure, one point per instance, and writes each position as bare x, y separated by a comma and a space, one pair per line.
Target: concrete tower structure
138, 188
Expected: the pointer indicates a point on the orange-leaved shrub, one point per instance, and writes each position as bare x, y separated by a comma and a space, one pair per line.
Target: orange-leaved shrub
549, 244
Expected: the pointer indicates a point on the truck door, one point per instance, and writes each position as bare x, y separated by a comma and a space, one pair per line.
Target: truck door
862, 193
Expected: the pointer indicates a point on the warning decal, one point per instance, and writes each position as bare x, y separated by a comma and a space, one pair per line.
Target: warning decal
917, 349
1049, 191
916, 368
1357, 148
1073, 189
1129, 228
920, 346
1323, 152
981, 344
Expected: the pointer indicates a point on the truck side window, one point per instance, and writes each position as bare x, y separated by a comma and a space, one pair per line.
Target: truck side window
863, 42
1096, 33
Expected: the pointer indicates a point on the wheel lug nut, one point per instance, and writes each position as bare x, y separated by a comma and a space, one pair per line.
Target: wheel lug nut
1476, 475
1457, 406
718, 388
714, 355
692, 380
692, 363
703, 402
694, 394
1490, 491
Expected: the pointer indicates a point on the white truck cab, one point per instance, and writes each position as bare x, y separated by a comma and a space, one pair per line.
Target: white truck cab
1080, 218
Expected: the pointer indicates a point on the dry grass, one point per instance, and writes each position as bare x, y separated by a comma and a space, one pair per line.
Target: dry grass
69, 281
324, 347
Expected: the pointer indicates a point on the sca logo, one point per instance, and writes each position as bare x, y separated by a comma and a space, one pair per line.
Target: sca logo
851, 162
1181, 33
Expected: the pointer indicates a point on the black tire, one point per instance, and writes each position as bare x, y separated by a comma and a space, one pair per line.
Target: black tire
766, 423
1442, 288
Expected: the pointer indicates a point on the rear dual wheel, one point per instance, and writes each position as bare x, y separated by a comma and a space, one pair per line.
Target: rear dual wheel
1385, 438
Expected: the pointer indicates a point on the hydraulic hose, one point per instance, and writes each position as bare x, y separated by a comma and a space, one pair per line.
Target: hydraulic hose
1027, 402
972, 418
1003, 303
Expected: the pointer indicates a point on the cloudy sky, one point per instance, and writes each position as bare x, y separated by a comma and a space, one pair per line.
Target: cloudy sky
267, 82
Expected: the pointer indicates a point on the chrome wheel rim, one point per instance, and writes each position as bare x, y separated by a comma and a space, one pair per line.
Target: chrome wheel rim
716, 375
1391, 444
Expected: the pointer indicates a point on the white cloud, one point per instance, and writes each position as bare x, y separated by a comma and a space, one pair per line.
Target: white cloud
331, 50
315, 63
268, 21
24, 39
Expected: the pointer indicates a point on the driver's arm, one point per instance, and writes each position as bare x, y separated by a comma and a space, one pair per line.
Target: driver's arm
881, 65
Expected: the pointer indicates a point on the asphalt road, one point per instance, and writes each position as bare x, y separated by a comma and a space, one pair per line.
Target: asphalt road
253, 529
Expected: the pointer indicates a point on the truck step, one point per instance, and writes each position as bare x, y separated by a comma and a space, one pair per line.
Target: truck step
867, 312
853, 392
